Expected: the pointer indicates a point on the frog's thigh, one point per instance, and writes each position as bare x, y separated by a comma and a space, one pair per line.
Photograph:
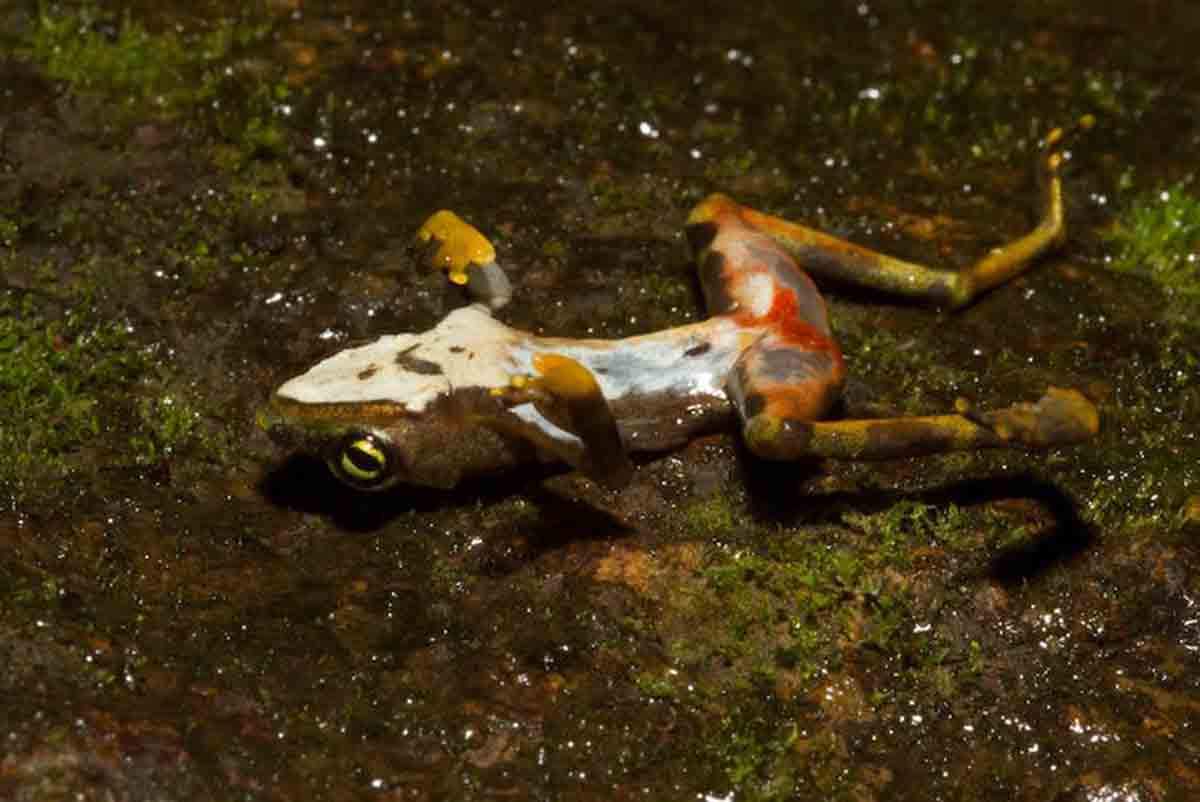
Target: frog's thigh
776, 387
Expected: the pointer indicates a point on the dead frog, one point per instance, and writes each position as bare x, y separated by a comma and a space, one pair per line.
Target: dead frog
473, 396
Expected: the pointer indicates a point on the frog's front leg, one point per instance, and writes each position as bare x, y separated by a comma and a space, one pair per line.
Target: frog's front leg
827, 256
561, 410
467, 256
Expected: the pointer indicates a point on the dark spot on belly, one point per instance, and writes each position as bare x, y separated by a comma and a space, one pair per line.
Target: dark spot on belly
413, 364
698, 350
457, 349
370, 371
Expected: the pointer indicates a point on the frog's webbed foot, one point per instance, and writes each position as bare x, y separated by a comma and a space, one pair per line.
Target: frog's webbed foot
573, 420
467, 256
1060, 417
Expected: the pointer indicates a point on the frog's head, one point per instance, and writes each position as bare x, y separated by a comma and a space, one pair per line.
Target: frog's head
375, 445
361, 447
409, 408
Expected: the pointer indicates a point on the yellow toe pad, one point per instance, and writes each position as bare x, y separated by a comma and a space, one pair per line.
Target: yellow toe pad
460, 244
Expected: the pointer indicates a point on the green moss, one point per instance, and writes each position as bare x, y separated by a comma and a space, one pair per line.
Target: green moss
756, 758
710, 516
909, 524
127, 63
78, 386
9, 231
915, 376
167, 423
800, 606
731, 166
657, 686
51, 372
263, 135
795, 601
664, 298
1158, 236
785, 605
137, 70
251, 125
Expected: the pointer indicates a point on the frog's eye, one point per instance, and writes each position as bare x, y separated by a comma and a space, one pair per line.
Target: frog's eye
364, 460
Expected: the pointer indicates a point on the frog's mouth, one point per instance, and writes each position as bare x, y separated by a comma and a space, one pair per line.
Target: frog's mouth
269, 419
294, 433
293, 423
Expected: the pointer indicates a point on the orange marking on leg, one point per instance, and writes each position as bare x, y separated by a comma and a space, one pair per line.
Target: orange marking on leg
784, 319
712, 208
808, 401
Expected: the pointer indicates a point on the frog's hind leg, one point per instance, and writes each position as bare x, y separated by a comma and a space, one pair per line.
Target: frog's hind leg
467, 256
831, 257
1061, 417
782, 385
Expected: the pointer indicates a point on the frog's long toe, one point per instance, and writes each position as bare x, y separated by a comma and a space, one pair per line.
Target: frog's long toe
467, 256
1060, 417
489, 283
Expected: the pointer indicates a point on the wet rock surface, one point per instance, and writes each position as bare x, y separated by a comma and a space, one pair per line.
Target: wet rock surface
199, 200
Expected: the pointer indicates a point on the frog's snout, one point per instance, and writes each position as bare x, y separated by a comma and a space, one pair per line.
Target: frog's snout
272, 422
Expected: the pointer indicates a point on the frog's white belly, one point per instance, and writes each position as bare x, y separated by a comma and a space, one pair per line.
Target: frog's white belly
469, 348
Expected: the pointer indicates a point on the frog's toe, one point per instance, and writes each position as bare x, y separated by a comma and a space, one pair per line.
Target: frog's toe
1058, 140
466, 255
489, 283
1060, 417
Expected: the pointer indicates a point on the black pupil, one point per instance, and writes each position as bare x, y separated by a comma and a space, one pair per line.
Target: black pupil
363, 460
